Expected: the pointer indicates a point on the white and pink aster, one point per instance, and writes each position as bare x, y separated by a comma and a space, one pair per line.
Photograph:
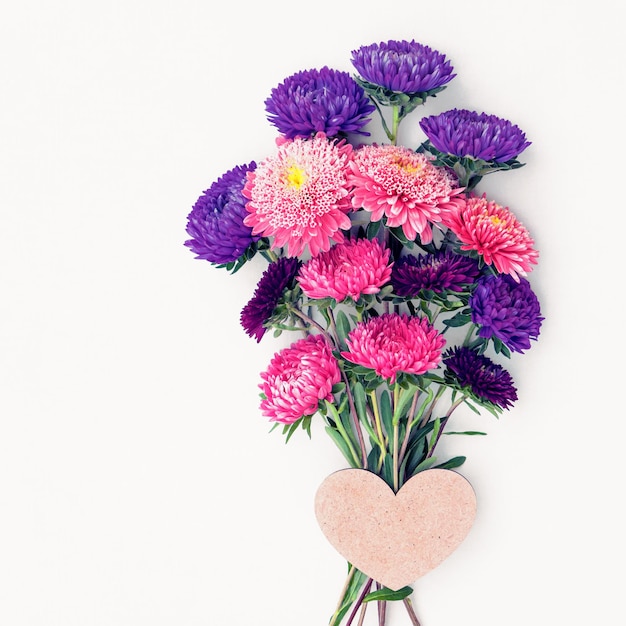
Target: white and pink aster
495, 234
404, 187
300, 196
347, 270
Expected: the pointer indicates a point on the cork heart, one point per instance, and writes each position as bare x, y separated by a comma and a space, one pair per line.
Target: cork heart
395, 538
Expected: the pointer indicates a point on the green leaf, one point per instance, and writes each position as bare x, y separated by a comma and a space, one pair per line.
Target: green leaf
372, 229
385, 412
465, 432
343, 326
388, 595
457, 461
425, 464
357, 581
341, 444
459, 319
406, 397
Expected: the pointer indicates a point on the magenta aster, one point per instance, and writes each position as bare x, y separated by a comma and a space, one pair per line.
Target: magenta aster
404, 187
393, 343
300, 196
495, 233
348, 269
298, 378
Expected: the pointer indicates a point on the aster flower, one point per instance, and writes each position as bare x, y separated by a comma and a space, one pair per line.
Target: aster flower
278, 276
313, 101
467, 133
347, 270
473, 144
216, 222
298, 378
440, 272
400, 74
404, 187
477, 375
300, 196
402, 67
394, 343
506, 311
494, 233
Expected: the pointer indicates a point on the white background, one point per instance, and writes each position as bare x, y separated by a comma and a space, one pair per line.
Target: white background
139, 485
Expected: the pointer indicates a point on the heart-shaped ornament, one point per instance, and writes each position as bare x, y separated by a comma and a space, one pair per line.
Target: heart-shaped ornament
395, 538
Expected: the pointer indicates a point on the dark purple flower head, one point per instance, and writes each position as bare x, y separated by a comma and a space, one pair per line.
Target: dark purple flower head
475, 373
215, 223
506, 310
313, 101
277, 277
465, 133
439, 272
402, 66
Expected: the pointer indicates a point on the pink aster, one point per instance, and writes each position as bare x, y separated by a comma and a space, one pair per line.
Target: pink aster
297, 378
348, 269
495, 233
300, 196
393, 343
404, 186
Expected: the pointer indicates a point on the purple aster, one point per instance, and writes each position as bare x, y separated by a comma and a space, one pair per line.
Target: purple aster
485, 380
506, 310
313, 101
215, 223
402, 66
439, 272
277, 277
465, 133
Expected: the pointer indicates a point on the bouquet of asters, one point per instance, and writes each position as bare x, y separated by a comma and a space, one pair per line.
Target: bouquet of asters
405, 288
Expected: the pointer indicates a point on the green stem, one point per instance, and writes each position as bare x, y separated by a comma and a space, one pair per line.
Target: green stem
409, 426
310, 321
396, 436
349, 577
355, 419
379, 429
344, 434
429, 412
395, 124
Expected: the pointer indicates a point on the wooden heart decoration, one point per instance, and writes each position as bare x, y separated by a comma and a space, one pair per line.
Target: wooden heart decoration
395, 538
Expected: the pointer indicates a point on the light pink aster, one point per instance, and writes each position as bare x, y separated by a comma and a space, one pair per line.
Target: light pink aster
403, 186
349, 269
495, 233
300, 196
393, 343
297, 378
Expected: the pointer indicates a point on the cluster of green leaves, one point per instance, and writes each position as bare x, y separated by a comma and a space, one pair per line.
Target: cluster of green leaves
469, 171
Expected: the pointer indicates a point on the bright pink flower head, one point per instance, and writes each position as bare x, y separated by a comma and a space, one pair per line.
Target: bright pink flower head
349, 269
393, 343
495, 233
300, 196
402, 185
297, 378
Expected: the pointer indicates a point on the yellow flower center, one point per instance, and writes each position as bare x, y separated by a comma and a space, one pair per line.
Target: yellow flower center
407, 165
296, 176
